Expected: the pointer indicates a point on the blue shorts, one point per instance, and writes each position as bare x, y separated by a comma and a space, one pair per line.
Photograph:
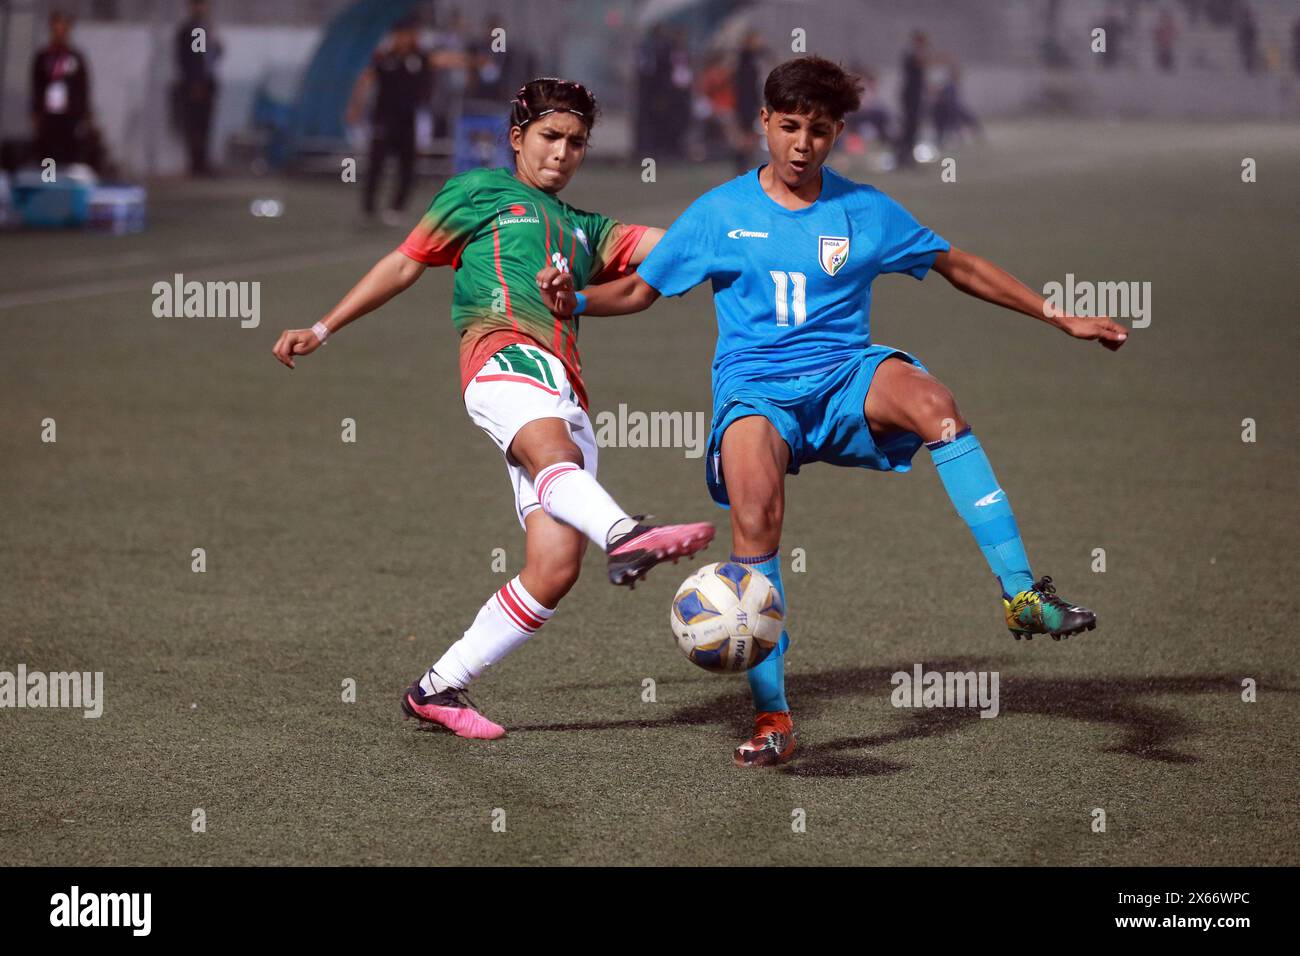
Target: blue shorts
819, 416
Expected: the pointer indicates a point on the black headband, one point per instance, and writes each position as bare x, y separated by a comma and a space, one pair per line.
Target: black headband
527, 116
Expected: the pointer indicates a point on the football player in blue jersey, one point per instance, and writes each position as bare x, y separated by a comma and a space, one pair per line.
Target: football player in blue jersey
791, 250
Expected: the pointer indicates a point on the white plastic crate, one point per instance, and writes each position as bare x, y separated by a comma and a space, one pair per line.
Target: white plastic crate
117, 210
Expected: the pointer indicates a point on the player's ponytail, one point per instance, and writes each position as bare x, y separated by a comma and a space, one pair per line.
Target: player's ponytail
550, 94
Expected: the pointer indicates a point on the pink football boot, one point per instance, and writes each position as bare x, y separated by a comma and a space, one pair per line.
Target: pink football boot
632, 555
451, 710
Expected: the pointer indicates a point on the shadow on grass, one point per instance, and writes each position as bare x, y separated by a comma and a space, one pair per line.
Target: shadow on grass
1149, 732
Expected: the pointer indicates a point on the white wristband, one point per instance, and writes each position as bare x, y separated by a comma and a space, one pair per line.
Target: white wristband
322, 332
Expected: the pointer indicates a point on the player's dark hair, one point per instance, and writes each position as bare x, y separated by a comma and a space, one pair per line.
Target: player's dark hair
550, 94
812, 84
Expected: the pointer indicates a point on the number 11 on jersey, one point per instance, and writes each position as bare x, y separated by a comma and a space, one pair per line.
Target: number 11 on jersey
786, 282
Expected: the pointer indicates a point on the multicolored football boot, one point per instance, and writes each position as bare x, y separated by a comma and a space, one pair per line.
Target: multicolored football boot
773, 742
1039, 611
633, 554
450, 709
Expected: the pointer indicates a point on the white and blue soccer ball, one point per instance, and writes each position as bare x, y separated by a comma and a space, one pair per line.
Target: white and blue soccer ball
727, 617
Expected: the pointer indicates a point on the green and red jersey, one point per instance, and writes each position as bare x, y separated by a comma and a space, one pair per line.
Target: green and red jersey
497, 233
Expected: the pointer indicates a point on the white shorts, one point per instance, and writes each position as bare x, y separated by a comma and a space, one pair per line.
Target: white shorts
518, 385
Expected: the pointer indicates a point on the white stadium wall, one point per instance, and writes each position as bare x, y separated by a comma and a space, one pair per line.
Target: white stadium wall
136, 63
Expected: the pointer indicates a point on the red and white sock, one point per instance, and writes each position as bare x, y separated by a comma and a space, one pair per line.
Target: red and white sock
507, 620
572, 495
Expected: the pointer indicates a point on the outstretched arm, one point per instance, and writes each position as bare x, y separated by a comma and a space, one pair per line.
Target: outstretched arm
978, 277
629, 293
649, 239
620, 297
389, 276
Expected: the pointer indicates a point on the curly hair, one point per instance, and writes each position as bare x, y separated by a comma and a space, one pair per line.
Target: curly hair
812, 84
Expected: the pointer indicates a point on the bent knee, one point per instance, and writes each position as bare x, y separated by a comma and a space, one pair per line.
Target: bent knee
560, 573
934, 410
759, 520
544, 443
536, 460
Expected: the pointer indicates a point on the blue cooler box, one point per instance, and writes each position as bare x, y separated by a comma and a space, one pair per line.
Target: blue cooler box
51, 205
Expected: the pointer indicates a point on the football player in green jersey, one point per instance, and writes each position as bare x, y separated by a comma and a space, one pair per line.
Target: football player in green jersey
521, 376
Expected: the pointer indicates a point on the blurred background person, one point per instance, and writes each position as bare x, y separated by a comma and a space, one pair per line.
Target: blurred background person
912, 97
401, 77
664, 92
60, 103
1113, 24
748, 82
871, 130
196, 90
496, 76
652, 64
1052, 52
452, 44
1295, 45
400, 80
873, 120
715, 108
1248, 37
1166, 36
678, 104
952, 117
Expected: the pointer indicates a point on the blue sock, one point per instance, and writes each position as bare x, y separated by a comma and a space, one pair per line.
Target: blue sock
968, 477
767, 678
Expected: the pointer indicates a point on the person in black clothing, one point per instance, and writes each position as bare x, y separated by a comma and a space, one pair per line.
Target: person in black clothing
1116, 29
60, 94
680, 86
1295, 46
197, 87
951, 114
403, 77
748, 83
913, 93
664, 81
653, 68
1248, 38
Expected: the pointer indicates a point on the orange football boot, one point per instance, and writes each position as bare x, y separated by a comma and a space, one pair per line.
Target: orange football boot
773, 742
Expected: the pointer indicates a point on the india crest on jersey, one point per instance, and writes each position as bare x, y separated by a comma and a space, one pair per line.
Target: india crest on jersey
832, 253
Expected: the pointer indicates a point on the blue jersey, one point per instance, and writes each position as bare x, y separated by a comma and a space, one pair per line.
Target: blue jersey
792, 288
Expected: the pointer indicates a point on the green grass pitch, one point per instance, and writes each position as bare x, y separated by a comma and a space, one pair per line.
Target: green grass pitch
329, 561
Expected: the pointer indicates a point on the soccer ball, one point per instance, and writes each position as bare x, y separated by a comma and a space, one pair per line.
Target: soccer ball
727, 617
